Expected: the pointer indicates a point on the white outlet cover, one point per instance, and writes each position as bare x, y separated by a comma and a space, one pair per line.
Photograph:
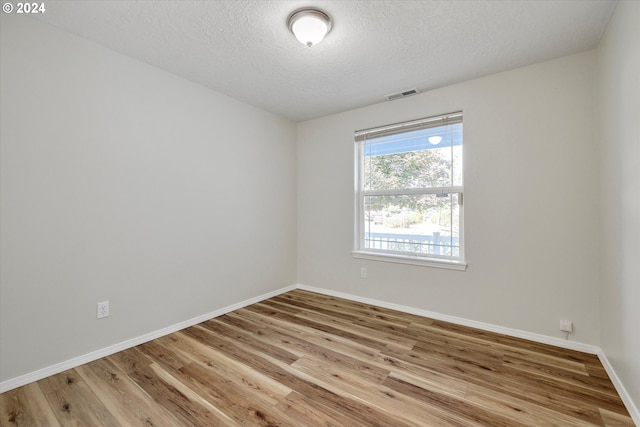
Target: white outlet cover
566, 326
103, 309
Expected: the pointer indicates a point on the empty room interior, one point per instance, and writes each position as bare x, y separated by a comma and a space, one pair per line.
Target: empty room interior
417, 213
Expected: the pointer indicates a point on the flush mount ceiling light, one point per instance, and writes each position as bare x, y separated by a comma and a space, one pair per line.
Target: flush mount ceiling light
309, 25
435, 140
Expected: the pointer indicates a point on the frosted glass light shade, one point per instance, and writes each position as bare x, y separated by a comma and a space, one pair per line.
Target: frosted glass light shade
309, 26
435, 140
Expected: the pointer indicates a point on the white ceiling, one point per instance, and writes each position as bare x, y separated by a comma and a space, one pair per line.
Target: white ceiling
243, 48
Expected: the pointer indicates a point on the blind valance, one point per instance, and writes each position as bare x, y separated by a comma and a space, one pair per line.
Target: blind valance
413, 125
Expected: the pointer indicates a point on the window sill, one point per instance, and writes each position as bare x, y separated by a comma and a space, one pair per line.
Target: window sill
412, 260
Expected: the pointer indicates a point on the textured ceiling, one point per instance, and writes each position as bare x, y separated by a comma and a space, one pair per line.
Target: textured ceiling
244, 49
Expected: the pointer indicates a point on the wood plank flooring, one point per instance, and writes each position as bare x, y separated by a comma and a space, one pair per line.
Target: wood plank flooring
305, 359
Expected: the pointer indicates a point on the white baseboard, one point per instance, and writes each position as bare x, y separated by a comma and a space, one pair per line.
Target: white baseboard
21, 380
622, 391
89, 357
544, 339
558, 342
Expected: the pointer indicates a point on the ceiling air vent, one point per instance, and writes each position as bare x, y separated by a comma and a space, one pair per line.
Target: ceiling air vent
402, 94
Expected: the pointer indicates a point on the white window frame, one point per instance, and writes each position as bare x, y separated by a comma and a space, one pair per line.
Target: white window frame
360, 251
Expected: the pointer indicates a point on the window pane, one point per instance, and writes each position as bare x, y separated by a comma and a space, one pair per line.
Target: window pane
413, 224
426, 158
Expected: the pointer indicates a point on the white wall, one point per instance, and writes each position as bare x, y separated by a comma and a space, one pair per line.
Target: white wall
531, 202
619, 140
121, 182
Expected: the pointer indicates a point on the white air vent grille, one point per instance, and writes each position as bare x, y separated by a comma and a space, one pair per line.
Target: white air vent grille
402, 94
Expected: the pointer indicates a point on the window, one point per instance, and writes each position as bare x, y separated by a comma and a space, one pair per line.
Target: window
409, 204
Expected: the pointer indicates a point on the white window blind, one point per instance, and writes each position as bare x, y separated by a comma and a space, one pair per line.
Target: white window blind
420, 124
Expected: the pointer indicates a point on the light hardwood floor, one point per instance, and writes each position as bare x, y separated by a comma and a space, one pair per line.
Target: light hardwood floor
304, 359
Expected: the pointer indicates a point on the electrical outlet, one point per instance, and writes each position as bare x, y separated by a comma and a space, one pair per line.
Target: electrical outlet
363, 273
103, 309
566, 326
